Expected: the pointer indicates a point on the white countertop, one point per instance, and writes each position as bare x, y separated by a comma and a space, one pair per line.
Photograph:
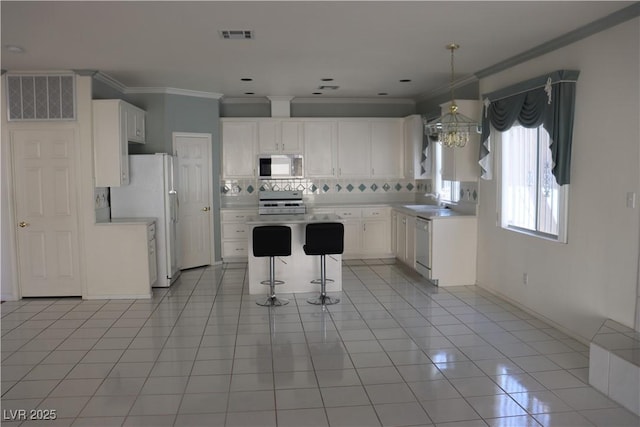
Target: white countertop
127, 221
291, 219
419, 210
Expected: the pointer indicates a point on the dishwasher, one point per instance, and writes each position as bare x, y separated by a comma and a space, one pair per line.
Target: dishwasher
423, 248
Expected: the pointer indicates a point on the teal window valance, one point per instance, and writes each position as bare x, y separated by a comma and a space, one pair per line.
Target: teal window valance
547, 100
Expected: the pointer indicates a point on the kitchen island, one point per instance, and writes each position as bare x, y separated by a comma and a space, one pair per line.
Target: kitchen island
299, 269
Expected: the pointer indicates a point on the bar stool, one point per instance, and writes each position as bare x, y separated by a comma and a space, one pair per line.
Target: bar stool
325, 238
272, 241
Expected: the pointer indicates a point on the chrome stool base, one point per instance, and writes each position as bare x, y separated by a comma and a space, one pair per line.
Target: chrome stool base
323, 300
272, 302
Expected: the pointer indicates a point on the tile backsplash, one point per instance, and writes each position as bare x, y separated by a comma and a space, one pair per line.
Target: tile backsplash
248, 187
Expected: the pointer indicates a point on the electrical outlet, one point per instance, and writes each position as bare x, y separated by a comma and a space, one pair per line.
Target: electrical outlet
525, 279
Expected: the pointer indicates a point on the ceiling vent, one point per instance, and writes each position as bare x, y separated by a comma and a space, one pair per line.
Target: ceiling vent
328, 87
237, 34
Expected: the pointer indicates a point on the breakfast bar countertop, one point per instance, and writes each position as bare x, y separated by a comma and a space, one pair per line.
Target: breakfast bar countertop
291, 219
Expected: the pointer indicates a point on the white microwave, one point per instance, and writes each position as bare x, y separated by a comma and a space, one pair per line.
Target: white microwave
280, 166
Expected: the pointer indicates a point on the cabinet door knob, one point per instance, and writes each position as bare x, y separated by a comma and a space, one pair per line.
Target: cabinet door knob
23, 224
206, 209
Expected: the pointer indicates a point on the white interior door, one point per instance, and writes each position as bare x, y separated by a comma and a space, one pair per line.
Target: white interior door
195, 219
46, 212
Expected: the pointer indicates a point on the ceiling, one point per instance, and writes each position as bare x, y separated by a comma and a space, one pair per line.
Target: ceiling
366, 47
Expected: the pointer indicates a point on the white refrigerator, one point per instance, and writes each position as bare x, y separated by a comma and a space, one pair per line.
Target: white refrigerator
152, 192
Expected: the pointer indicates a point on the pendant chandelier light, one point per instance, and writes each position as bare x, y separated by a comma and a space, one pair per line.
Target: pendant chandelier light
453, 128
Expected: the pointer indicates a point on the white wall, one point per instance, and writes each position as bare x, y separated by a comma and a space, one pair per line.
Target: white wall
595, 275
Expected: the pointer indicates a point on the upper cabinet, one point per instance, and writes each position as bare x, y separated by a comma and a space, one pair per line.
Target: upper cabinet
135, 124
320, 148
115, 124
386, 148
280, 136
239, 145
461, 164
370, 148
331, 147
354, 148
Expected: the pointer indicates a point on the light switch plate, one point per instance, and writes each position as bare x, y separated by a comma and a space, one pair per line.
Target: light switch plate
631, 200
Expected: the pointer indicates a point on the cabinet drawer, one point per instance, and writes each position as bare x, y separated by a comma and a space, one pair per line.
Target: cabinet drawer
234, 230
375, 212
236, 216
323, 211
347, 213
235, 248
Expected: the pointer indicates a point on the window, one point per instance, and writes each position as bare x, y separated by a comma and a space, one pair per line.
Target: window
532, 202
449, 191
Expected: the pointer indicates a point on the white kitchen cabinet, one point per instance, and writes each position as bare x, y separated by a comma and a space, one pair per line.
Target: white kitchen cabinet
405, 239
153, 257
320, 148
352, 238
394, 232
135, 124
280, 136
370, 148
123, 259
366, 230
111, 140
453, 250
354, 148
461, 164
413, 140
386, 148
239, 148
376, 231
234, 232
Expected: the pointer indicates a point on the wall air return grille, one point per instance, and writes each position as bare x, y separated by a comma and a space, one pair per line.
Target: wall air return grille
236, 34
41, 97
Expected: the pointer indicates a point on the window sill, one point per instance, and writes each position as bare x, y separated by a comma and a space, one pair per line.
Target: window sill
542, 236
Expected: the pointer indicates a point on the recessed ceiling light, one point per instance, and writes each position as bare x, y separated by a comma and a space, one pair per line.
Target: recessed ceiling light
249, 93
328, 87
405, 80
316, 93
246, 79
14, 48
327, 79
382, 93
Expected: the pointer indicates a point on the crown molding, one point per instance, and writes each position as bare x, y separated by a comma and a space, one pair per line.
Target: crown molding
173, 91
444, 89
328, 100
109, 81
609, 21
245, 100
115, 84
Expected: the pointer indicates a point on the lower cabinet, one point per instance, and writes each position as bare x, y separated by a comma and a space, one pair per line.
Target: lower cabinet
405, 238
121, 259
454, 250
366, 231
235, 235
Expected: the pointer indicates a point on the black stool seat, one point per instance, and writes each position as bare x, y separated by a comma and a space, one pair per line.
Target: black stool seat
272, 241
324, 238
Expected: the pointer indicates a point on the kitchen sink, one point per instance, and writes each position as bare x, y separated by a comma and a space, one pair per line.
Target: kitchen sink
423, 207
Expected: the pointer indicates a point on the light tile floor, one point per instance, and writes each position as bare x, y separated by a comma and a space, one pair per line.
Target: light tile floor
396, 351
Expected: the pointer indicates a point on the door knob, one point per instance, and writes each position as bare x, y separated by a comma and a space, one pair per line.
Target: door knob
23, 224
206, 209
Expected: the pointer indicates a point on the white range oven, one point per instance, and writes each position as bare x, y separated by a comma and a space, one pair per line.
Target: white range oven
423, 248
